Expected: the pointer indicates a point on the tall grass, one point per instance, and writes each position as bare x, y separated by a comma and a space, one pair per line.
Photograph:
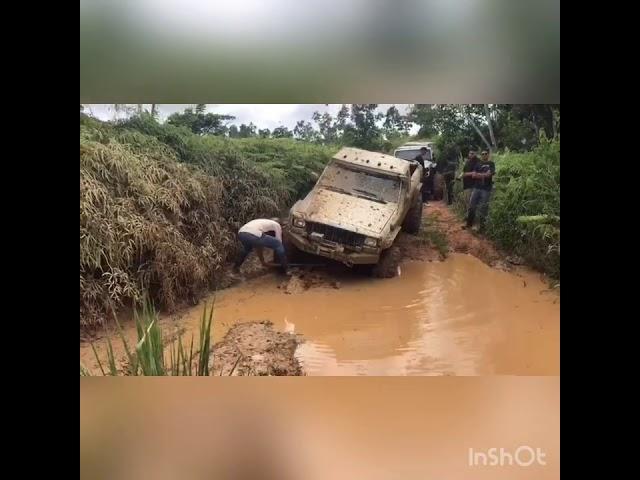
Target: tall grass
150, 346
524, 217
151, 350
159, 207
431, 236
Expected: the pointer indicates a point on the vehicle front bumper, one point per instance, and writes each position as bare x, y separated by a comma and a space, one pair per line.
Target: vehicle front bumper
332, 250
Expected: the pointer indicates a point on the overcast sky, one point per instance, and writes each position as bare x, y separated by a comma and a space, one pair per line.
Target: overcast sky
263, 115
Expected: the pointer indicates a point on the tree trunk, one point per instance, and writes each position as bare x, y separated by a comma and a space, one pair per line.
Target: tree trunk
154, 109
475, 127
493, 138
535, 125
554, 122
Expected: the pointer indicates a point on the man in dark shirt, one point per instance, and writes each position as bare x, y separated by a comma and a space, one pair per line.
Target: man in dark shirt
482, 177
427, 175
448, 171
468, 169
421, 158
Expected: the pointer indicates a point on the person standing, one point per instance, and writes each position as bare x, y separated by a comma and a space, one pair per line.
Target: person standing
448, 170
482, 177
427, 177
260, 234
467, 171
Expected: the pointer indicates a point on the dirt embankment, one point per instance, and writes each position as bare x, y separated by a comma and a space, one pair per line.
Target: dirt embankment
255, 348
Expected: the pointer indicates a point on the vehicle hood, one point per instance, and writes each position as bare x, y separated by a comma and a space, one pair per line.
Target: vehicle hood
341, 210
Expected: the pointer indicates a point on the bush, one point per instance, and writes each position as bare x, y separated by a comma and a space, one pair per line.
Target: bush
159, 206
524, 216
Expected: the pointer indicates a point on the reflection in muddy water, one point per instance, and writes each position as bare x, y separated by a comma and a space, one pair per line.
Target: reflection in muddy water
457, 317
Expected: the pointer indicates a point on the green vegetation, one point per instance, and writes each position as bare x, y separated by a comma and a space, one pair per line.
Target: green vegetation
160, 202
524, 213
159, 206
151, 348
524, 216
431, 236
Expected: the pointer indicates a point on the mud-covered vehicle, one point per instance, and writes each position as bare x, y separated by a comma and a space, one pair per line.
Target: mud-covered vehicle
358, 206
410, 150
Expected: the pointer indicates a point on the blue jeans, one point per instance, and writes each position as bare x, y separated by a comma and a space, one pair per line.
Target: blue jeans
249, 242
479, 201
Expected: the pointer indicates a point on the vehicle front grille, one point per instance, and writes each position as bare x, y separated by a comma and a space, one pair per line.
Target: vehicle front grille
337, 235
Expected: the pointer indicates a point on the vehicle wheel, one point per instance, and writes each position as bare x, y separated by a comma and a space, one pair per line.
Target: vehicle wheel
387, 266
413, 220
364, 270
294, 255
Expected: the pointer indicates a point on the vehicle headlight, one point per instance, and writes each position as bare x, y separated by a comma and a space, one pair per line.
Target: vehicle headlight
371, 242
298, 222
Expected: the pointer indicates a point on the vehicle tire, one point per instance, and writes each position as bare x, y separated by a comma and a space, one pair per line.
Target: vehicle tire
387, 266
294, 255
413, 220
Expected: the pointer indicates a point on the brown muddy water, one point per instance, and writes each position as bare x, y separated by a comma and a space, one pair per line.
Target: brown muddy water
456, 317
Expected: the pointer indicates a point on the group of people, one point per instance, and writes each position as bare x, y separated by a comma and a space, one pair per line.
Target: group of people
477, 182
430, 168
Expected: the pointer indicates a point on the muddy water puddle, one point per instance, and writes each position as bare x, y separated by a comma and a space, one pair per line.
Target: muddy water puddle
457, 317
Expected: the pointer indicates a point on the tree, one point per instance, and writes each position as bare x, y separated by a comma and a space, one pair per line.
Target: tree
247, 131
467, 113
305, 131
125, 108
199, 122
233, 132
282, 132
537, 116
425, 115
342, 118
517, 127
364, 132
452, 124
328, 127
489, 123
264, 133
395, 125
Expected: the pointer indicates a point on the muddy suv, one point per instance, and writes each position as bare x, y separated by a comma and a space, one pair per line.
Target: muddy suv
357, 208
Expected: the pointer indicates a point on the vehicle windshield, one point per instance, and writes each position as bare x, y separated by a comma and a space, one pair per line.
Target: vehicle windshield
357, 183
411, 154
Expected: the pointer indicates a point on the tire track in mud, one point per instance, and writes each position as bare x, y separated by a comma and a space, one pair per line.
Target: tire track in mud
438, 219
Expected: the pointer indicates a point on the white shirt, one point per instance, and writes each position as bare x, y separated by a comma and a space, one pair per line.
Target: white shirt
262, 225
